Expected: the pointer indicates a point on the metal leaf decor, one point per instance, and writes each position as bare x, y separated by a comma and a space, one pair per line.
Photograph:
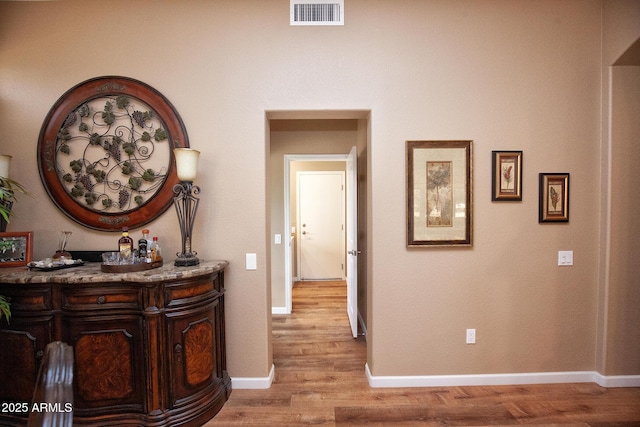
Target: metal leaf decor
105, 153
109, 145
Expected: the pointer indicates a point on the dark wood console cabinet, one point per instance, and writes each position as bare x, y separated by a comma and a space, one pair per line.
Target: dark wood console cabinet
149, 347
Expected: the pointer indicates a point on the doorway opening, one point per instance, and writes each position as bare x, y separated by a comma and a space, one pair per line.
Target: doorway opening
323, 138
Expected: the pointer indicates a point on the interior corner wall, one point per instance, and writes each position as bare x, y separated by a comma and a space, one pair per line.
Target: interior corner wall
617, 339
623, 298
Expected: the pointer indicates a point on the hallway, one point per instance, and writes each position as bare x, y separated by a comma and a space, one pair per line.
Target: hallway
320, 380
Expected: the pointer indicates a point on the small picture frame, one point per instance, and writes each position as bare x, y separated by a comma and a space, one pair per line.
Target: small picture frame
507, 176
439, 193
16, 249
554, 197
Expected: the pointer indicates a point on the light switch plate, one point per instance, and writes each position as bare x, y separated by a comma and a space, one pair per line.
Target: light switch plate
565, 257
278, 239
251, 262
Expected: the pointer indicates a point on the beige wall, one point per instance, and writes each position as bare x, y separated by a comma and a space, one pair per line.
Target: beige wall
510, 75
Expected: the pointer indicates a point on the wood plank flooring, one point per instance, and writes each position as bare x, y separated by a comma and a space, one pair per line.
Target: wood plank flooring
320, 380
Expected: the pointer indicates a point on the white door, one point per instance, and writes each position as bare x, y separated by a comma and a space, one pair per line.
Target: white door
352, 240
321, 216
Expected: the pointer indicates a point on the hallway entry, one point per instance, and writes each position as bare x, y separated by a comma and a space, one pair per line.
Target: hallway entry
318, 141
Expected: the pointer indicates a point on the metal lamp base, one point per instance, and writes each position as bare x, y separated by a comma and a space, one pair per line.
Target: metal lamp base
186, 261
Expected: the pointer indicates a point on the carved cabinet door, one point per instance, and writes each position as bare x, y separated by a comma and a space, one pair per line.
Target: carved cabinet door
23, 340
193, 353
109, 358
22, 346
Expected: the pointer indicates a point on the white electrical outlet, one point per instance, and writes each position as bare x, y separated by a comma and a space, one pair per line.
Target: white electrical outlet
471, 336
565, 257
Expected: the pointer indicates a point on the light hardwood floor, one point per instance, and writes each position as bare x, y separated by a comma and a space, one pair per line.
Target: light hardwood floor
320, 380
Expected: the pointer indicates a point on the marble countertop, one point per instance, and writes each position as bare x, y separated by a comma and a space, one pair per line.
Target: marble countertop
91, 273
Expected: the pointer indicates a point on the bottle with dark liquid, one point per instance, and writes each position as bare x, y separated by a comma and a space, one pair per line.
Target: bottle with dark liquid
125, 244
144, 251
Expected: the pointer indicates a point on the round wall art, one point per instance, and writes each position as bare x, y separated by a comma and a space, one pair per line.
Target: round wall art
105, 153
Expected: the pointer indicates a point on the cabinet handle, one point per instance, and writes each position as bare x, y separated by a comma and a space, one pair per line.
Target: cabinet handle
178, 350
39, 354
101, 299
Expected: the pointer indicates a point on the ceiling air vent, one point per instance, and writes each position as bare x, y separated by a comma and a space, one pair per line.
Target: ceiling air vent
317, 12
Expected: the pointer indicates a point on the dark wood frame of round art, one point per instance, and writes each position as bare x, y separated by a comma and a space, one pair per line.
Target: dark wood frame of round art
95, 88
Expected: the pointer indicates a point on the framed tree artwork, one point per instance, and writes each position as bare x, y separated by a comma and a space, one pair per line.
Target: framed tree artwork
439, 193
554, 197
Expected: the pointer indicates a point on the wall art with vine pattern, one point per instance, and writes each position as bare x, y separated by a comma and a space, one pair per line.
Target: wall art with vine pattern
105, 153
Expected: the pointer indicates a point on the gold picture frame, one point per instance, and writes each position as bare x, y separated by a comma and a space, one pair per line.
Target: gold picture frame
439, 193
554, 197
506, 183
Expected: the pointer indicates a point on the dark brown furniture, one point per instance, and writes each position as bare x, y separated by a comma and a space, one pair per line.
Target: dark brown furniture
149, 347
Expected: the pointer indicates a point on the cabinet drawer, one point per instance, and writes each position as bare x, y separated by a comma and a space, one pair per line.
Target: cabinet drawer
192, 292
107, 297
28, 299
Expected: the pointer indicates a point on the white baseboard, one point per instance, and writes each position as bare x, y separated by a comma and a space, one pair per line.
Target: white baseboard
279, 310
501, 379
466, 380
247, 383
617, 380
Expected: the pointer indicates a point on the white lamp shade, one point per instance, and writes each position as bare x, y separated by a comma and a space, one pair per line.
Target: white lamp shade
4, 165
186, 163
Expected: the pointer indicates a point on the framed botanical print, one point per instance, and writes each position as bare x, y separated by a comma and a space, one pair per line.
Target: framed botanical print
554, 197
439, 193
506, 176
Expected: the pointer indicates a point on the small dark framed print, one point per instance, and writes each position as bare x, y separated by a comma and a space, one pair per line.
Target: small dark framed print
506, 176
554, 197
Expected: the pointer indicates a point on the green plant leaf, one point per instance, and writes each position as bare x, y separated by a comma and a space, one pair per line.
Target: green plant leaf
149, 175
160, 135
107, 115
90, 198
95, 139
129, 147
5, 308
122, 102
135, 182
127, 168
77, 190
76, 165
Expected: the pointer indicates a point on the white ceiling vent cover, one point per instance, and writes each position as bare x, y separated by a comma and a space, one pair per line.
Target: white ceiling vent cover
317, 12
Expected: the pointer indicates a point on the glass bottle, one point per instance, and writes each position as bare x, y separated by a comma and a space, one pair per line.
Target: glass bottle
144, 250
125, 244
156, 253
